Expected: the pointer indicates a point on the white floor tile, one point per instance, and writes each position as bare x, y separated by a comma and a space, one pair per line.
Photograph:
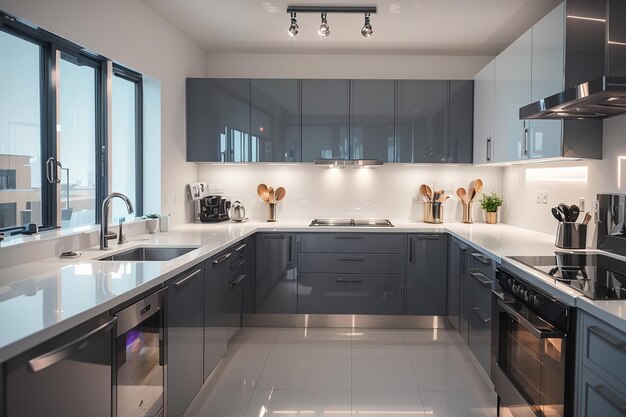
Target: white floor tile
306, 373
311, 348
460, 404
241, 372
383, 374
224, 403
434, 336
314, 334
376, 334
297, 403
387, 404
380, 349
257, 333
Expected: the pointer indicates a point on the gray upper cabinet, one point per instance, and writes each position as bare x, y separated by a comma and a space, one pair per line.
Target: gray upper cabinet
422, 121
218, 120
426, 274
325, 119
372, 119
461, 121
275, 120
276, 274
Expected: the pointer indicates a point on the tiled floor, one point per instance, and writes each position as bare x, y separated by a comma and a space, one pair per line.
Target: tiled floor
346, 372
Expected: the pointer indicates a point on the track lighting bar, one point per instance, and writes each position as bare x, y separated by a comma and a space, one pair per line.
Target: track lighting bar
331, 9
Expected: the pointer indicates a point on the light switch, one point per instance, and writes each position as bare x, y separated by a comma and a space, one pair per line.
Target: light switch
544, 197
538, 198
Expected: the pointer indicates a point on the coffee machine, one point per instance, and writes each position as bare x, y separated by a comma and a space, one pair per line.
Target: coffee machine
214, 208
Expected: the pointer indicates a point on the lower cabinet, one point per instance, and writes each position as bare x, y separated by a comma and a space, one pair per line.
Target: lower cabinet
276, 274
426, 274
599, 398
457, 273
249, 290
185, 344
351, 294
479, 319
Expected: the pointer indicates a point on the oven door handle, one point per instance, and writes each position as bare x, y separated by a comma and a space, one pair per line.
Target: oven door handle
546, 332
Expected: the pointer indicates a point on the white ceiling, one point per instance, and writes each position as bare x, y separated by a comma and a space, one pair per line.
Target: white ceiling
412, 27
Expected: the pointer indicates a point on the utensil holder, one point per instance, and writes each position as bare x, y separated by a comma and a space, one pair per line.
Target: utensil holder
272, 213
571, 236
433, 212
468, 217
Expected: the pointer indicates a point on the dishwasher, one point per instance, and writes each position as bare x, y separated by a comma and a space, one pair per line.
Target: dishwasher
69, 375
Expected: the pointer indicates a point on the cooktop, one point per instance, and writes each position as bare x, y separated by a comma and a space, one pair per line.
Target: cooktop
597, 276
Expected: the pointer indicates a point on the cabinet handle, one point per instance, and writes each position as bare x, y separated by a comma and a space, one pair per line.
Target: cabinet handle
57, 355
221, 258
273, 236
234, 284
463, 259
290, 249
481, 314
350, 236
488, 149
350, 258
410, 249
238, 265
525, 138
349, 281
428, 237
480, 277
619, 344
485, 260
240, 248
187, 278
611, 397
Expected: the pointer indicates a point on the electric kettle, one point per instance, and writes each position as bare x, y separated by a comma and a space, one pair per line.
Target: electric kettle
237, 212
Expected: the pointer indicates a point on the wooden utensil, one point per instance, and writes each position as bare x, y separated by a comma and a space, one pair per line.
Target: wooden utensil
429, 192
478, 185
424, 193
272, 195
471, 193
587, 218
262, 191
280, 193
462, 194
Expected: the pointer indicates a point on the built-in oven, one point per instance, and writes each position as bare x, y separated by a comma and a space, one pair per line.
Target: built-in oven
532, 350
140, 358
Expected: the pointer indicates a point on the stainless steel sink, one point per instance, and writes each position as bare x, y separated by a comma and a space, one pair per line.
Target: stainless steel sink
148, 253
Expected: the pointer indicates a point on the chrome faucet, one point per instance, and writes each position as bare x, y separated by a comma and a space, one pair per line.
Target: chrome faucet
104, 223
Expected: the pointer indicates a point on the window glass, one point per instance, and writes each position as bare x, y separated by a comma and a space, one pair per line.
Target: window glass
77, 133
20, 131
124, 144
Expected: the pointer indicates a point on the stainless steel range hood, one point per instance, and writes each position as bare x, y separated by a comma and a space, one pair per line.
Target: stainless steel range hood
595, 64
353, 163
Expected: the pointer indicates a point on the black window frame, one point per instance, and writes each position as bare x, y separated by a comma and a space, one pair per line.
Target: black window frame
51, 44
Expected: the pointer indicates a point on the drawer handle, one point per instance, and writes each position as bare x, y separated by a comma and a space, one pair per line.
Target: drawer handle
351, 258
240, 248
187, 278
485, 260
428, 237
234, 284
345, 236
238, 265
480, 277
282, 237
619, 344
349, 281
481, 314
221, 258
611, 397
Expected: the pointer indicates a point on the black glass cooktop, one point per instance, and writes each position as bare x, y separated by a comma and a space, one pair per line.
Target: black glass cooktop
597, 276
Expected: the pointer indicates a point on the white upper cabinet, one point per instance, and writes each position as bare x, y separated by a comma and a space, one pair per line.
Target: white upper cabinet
512, 91
548, 74
484, 96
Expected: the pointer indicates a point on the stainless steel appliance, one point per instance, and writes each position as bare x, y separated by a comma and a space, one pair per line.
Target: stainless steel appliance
352, 222
140, 357
597, 276
214, 208
237, 212
532, 349
68, 376
612, 223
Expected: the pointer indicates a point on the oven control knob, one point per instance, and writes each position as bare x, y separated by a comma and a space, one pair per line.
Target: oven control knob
510, 282
536, 300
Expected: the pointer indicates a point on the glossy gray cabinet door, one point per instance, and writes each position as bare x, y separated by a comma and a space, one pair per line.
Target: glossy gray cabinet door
372, 133
464, 291
455, 268
426, 274
479, 332
185, 339
276, 274
599, 398
218, 120
461, 121
249, 290
325, 119
422, 121
275, 120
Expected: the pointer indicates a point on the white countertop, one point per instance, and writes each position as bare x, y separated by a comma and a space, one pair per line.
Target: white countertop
41, 299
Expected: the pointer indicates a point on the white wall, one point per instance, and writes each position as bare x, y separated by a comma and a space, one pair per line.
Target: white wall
344, 66
129, 32
603, 176
314, 192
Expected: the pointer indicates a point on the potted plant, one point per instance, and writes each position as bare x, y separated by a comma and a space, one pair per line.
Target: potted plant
490, 204
152, 222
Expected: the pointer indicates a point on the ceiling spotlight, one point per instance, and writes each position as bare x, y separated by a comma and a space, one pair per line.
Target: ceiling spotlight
324, 28
367, 30
293, 27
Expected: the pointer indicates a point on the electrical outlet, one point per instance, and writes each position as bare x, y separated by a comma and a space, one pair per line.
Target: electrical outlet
595, 211
544, 197
538, 198
581, 203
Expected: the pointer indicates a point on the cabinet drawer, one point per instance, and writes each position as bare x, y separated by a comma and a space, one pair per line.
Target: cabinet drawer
604, 348
352, 242
480, 290
483, 263
351, 294
332, 263
598, 398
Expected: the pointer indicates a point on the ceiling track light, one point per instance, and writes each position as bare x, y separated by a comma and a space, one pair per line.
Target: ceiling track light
324, 30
